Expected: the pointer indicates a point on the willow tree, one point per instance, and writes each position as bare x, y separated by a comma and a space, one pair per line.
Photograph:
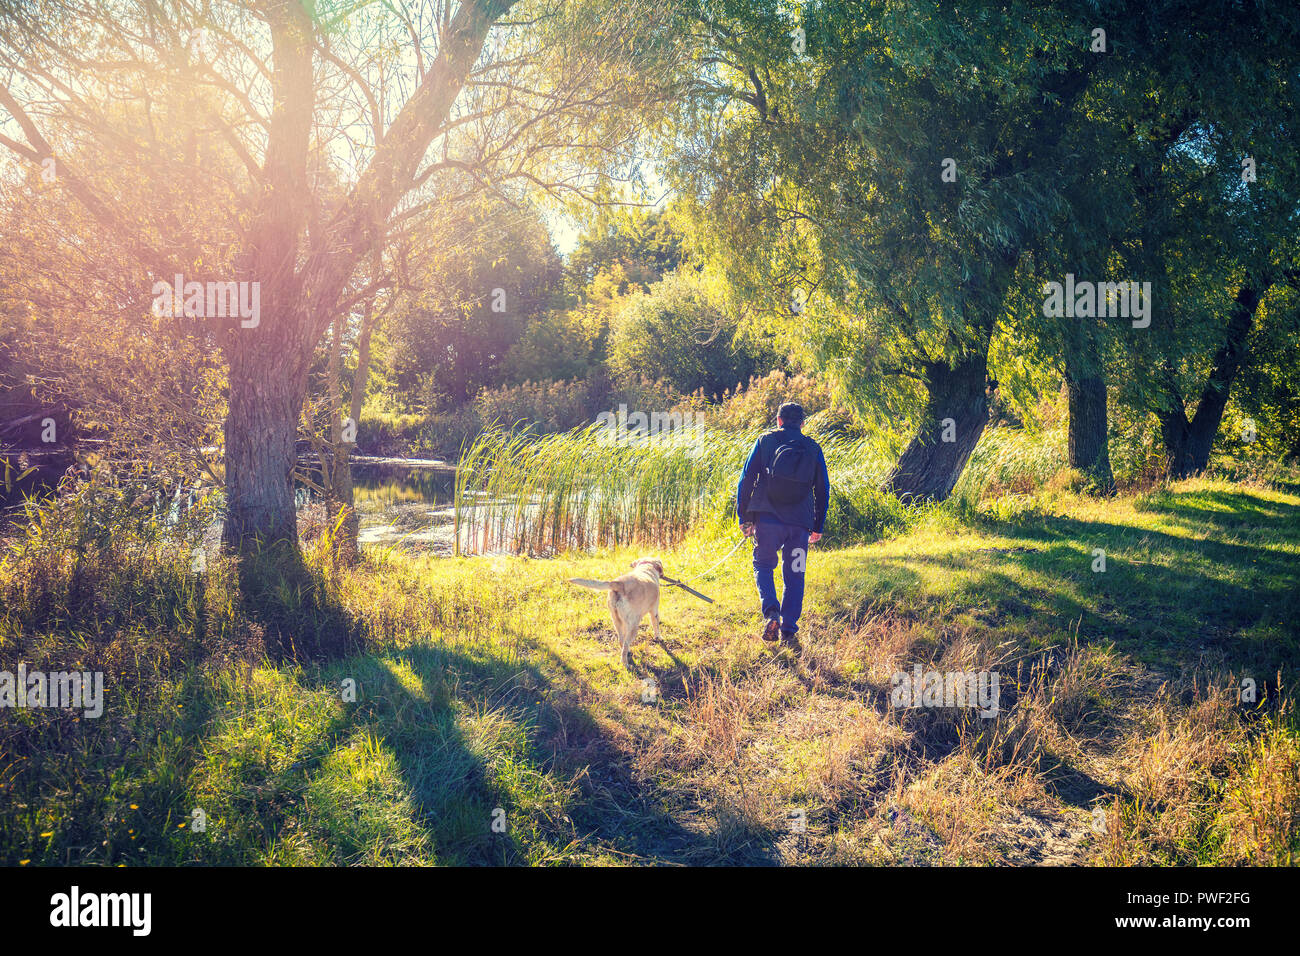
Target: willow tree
324, 131
1213, 206
875, 174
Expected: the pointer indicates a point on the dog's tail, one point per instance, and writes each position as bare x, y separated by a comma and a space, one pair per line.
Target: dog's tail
598, 585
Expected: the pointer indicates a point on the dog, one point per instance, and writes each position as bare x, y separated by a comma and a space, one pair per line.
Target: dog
631, 597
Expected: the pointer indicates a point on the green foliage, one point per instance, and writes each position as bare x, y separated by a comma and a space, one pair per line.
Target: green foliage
541, 406
559, 346
754, 406
479, 294
823, 175
860, 512
445, 434
1137, 455
381, 433
1268, 393
96, 548
678, 333
645, 245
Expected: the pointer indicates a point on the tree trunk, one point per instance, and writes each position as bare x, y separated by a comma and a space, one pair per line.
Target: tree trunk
336, 466
351, 530
1188, 443
260, 428
335, 462
1089, 450
956, 412
1174, 428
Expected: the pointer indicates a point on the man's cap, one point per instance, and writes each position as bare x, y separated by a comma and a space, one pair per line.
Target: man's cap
791, 413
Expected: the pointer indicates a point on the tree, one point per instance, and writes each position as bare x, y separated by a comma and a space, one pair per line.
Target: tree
645, 244
1215, 191
873, 175
677, 332
449, 339
140, 391
301, 96
1268, 391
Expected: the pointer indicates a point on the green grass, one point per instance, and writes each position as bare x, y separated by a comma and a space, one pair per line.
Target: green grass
488, 690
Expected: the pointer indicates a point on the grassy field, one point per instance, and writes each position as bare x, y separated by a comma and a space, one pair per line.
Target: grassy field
493, 725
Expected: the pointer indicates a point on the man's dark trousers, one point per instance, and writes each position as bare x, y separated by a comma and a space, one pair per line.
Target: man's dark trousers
791, 541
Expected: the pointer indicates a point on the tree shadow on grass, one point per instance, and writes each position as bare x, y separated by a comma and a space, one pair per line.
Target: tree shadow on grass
632, 814
1229, 510
1166, 587
1161, 598
469, 728
1174, 601
1287, 486
293, 610
1074, 786
257, 804
480, 737
451, 720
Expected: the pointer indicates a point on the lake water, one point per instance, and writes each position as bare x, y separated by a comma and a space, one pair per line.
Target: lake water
412, 512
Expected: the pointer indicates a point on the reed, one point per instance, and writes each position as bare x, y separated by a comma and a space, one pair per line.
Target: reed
1013, 461
516, 493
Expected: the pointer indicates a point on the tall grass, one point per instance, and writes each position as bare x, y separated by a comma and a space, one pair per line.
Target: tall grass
520, 494
93, 549
577, 490
1014, 461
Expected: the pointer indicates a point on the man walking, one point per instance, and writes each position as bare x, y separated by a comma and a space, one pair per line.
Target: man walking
781, 501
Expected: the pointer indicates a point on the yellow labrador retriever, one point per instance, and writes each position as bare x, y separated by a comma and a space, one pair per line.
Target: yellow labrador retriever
631, 597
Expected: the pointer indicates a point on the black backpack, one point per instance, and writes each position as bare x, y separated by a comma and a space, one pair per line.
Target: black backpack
790, 476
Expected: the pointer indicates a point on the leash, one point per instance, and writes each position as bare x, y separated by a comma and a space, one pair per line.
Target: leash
705, 574
718, 563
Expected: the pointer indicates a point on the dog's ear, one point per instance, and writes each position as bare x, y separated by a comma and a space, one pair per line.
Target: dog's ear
653, 562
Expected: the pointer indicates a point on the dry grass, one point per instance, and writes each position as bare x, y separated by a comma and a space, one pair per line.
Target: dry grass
492, 683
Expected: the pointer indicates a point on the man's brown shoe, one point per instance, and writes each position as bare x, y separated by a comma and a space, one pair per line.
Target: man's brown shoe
791, 641
772, 631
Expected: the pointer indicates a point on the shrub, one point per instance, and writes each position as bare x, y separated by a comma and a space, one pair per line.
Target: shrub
1069, 481
99, 553
444, 434
388, 433
558, 346
678, 333
860, 513
755, 405
540, 406
641, 393
1137, 455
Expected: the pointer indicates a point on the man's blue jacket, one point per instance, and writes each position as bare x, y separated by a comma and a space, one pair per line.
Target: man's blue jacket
752, 503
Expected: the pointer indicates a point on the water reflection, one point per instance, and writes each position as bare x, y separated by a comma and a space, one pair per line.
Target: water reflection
405, 508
